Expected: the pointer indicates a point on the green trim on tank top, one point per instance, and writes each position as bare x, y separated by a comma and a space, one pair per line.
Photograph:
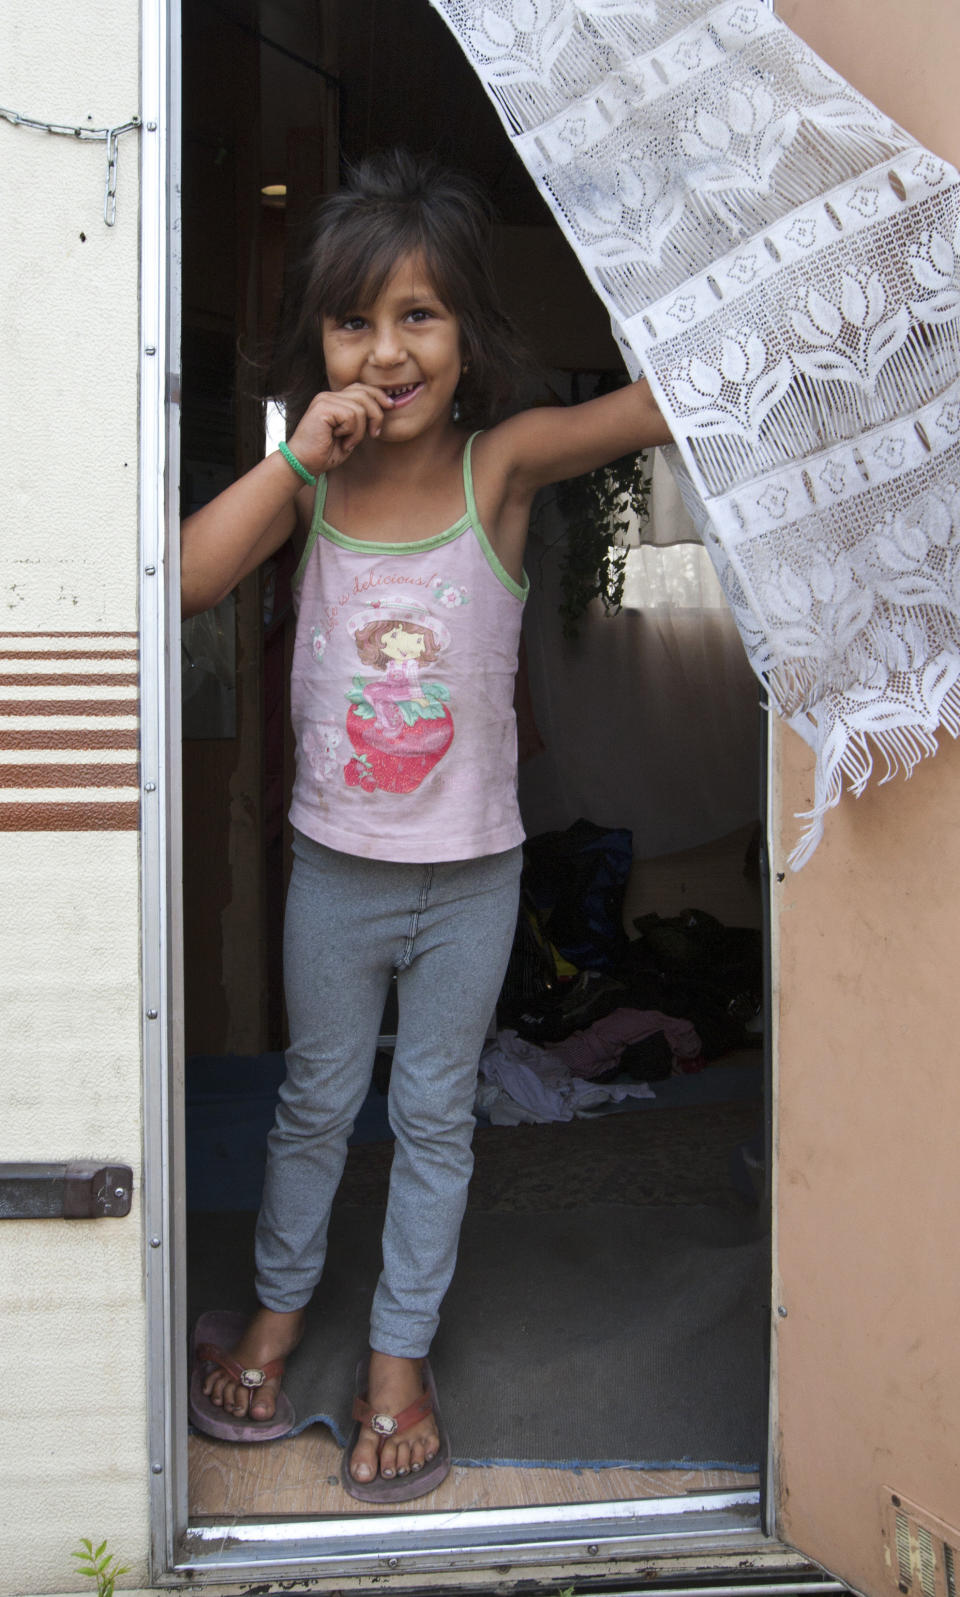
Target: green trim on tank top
470, 518
518, 589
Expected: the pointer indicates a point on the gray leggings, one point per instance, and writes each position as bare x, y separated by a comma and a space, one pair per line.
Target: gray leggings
350, 923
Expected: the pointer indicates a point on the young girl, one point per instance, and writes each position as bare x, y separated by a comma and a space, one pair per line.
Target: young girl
407, 833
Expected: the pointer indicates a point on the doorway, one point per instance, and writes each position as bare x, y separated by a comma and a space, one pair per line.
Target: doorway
274, 96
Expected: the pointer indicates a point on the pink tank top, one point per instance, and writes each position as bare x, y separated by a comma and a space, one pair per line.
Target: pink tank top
402, 693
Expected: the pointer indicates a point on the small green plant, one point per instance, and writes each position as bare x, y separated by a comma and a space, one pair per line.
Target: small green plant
598, 510
98, 1565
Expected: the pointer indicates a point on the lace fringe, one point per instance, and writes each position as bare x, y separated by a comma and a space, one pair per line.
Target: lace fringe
849, 753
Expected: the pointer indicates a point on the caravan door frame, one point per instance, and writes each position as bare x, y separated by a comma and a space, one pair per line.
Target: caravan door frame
161, 896
716, 1533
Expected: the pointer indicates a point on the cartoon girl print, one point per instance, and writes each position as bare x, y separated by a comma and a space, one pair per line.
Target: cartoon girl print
399, 724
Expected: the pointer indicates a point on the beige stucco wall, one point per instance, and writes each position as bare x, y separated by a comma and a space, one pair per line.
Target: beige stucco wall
869, 1104
69, 321
72, 1337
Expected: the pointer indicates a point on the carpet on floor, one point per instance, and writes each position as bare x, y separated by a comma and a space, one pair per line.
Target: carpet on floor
611, 1335
676, 1148
676, 1156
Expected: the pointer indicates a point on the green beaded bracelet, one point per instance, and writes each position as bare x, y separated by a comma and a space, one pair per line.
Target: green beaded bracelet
297, 465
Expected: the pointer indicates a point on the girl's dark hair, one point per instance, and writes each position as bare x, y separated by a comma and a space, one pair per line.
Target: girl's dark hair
394, 205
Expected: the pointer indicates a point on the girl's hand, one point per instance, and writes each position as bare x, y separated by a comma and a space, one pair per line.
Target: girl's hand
233, 533
334, 423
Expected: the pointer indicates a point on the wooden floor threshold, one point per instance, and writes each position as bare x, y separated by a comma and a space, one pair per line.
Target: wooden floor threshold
301, 1477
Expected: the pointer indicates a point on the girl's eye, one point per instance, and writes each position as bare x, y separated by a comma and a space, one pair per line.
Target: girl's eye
353, 324
420, 316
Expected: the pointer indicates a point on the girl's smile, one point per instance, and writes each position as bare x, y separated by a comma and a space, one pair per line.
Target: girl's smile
407, 344
403, 396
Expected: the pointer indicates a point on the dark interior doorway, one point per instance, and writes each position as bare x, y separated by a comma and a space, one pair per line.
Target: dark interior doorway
277, 97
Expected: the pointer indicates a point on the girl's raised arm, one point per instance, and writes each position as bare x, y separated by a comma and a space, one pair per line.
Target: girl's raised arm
551, 443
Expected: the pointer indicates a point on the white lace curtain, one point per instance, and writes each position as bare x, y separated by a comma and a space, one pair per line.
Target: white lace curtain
781, 261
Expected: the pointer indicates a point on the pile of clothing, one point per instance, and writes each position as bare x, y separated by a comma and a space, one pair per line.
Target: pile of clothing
589, 1016
522, 1083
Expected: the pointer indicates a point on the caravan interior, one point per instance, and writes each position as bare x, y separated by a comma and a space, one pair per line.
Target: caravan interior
604, 1339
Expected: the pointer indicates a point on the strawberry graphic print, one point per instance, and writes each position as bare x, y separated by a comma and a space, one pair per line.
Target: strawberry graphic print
399, 723
401, 692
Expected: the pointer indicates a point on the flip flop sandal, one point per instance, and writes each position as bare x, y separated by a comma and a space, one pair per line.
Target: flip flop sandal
399, 1488
213, 1336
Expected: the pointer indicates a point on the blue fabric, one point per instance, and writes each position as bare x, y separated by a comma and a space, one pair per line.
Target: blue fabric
231, 1100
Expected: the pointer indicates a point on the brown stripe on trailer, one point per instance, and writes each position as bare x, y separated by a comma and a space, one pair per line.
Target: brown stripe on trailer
68, 654
69, 679
80, 737
76, 816
77, 774
126, 706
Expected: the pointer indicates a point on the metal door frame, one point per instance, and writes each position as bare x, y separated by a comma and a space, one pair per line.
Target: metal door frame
161, 899
717, 1532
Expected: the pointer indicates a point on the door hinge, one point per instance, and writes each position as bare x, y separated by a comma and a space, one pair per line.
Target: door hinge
83, 1190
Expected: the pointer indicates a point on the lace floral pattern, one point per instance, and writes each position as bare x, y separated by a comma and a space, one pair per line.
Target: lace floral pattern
783, 262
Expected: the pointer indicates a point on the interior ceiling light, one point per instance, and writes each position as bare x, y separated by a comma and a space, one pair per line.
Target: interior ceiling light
274, 191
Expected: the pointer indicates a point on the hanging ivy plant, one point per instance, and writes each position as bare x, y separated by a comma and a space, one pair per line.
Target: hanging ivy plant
599, 509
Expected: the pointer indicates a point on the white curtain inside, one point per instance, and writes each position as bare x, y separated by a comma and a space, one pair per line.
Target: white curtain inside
650, 718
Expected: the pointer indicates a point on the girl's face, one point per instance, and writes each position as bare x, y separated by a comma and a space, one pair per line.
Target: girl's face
401, 644
407, 344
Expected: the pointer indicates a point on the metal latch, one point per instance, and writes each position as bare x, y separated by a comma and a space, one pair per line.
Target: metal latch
84, 1190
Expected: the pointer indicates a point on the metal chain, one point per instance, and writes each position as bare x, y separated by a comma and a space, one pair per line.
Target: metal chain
109, 136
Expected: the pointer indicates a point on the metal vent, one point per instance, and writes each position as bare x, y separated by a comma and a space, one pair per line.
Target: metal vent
928, 1562
921, 1551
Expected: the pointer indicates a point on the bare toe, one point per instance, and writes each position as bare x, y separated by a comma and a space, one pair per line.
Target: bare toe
363, 1464
264, 1405
235, 1398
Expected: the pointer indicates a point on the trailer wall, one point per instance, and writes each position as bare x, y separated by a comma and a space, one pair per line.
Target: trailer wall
72, 1334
